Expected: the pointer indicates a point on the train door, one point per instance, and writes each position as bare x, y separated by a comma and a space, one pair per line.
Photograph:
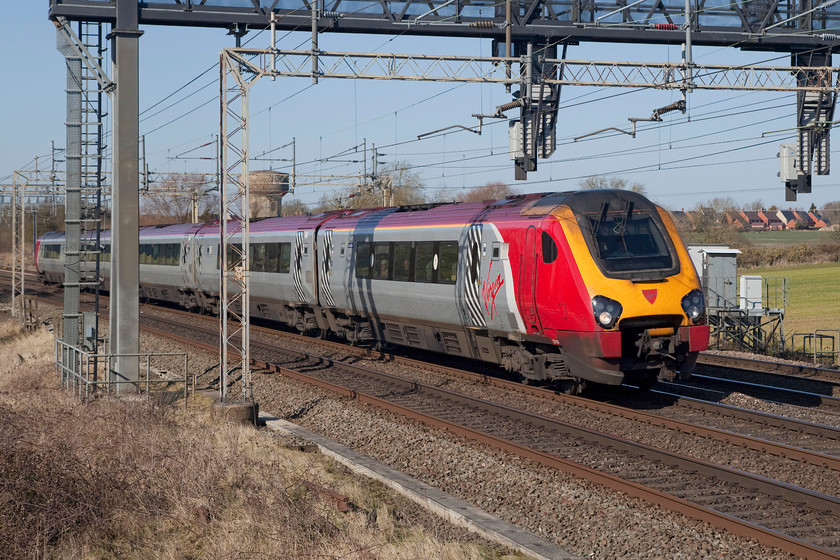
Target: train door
206, 262
323, 278
528, 281
469, 279
188, 261
301, 270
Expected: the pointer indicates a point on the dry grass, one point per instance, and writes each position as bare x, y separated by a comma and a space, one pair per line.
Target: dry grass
139, 479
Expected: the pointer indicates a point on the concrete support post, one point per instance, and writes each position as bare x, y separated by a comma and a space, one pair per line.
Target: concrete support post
125, 242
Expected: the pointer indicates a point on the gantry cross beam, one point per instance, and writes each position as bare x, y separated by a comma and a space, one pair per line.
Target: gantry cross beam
748, 24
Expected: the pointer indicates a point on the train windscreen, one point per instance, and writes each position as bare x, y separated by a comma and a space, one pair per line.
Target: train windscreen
628, 239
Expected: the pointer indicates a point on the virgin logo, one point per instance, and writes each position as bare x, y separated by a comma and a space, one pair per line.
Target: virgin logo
650, 295
489, 290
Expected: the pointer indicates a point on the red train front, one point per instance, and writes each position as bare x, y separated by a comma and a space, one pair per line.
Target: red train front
604, 291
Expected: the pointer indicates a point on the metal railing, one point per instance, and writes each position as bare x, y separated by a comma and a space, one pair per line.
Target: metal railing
820, 345
89, 374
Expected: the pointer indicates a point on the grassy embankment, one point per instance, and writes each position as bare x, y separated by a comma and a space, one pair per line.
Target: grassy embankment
786, 237
140, 478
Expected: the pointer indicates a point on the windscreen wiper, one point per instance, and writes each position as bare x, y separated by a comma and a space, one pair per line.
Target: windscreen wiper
604, 208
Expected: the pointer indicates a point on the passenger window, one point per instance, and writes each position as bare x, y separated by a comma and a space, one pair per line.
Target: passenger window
174, 254
402, 261
284, 259
258, 257
549, 248
448, 267
272, 251
381, 260
363, 260
424, 261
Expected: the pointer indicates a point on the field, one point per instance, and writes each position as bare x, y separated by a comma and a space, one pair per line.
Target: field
786, 237
814, 295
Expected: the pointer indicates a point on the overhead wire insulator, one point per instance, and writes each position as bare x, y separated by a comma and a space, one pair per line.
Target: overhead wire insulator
665, 26
484, 24
675, 106
331, 14
828, 36
508, 106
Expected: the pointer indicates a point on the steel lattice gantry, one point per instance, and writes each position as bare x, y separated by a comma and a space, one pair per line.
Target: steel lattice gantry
805, 28
788, 26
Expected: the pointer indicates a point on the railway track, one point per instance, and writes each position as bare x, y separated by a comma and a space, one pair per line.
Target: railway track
795, 519
777, 435
710, 387
713, 362
801, 540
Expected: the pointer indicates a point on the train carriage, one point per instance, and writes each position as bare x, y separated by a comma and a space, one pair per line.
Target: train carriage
567, 288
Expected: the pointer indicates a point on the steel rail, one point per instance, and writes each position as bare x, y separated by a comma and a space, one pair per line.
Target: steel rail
753, 364
767, 392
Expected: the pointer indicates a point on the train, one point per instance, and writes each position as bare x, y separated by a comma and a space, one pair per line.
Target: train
564, 288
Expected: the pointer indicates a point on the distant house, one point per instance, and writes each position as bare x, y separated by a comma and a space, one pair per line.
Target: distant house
735, 219
771, 220
788, 218
803, 217
752, 220
703, 215
818, 221
682, 219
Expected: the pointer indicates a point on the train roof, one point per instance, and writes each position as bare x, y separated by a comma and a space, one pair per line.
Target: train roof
433, 214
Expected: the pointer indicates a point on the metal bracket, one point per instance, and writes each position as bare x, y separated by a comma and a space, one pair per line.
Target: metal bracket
76, 45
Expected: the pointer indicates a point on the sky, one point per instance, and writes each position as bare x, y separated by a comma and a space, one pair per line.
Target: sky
724, 146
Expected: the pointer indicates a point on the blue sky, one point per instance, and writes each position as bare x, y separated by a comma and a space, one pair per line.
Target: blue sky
716, 150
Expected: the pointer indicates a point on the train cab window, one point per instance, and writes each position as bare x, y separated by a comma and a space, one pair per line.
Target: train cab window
272, 251
402, 262
284, 258
363, 260
626, 237
448, 262
549, 248
425, 261
381, 260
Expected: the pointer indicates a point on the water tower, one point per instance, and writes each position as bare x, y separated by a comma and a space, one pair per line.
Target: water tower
267, 190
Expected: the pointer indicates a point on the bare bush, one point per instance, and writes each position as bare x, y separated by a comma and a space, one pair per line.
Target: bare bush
140, 479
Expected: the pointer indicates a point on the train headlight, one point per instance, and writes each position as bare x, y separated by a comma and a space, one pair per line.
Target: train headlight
694, 305
607, 311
